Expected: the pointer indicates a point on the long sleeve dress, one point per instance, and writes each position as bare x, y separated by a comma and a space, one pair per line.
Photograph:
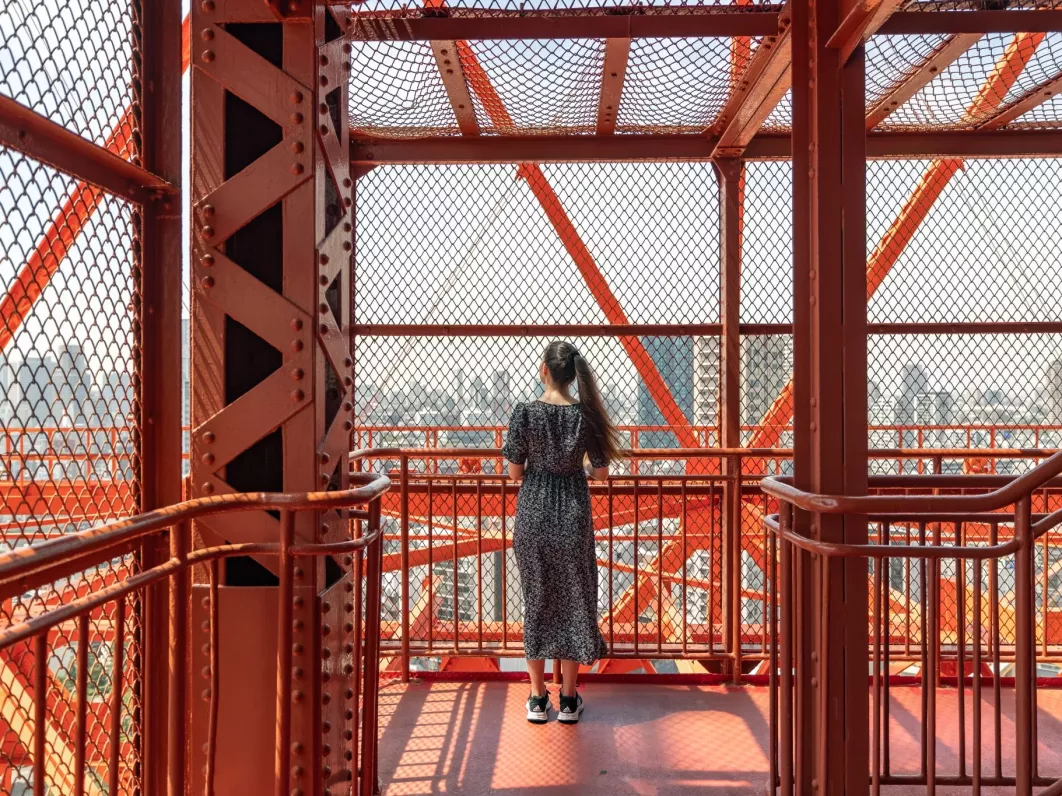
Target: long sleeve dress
554, 534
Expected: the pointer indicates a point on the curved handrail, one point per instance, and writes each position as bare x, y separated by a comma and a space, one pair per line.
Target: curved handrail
24, 560
888, 504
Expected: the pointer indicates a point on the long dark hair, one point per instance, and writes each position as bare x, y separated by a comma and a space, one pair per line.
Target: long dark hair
565, 365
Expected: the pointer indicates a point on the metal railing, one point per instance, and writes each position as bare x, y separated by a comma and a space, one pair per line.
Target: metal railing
29, 568
974, 640
684, 558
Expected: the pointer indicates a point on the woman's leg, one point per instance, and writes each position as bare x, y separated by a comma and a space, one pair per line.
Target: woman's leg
537, 672
570, 670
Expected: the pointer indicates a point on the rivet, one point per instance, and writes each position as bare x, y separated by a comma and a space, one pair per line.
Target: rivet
324, 129
298, 147
296, 118
297, 168
326, 653
814, 656
349, 606
296, 696
326, 750
348, 362
296, 345
207, 260
298, 624
324, 60
208, 232
323, 308
347, 182
296, 748
325, 608
208, 458
297, 395
297, 648
297, 572
326, 629
324, 280
296, 324
207, 6
327, 726
324, 259
324, 528
296, 97
348, 648
296, 771
298, 602
348, 425
347, 245
349, 755
325, 479
350, 713
205, 602
347, 201
814, 682
814, 402
208, 438
348, 381
205, 626
324, 80
207, 488
206, 694
349, 586
348, 406
324, 330
297, 672
813, 425
348, 669
348, 734
325, 677
348, 49
208, 55
326, 698
323, 108
325, 458
348, 560
297, 374
207, 282
347, 227
812, 301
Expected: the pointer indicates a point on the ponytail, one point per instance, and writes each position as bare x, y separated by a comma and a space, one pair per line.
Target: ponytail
602, 438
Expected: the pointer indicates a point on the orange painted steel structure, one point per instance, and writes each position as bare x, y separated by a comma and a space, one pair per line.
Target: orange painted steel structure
273, 332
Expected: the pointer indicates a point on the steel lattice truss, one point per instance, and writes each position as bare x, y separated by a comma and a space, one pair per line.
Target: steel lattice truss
640, 98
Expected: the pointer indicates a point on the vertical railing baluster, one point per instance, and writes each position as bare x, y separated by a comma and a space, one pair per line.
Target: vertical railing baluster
40, 709
285, 612
215, 679
177, 697
81, 709
1024, 640
370, 704
117, 686
404, 555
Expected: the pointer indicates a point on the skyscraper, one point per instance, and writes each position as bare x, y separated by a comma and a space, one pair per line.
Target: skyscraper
706, 381
766, 367
673, 357
1053, 392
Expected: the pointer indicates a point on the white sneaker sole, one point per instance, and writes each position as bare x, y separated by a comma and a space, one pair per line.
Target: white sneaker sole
536, 717
571, 718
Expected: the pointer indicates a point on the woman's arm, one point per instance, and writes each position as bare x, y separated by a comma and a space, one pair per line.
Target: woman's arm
516, 471
599, 473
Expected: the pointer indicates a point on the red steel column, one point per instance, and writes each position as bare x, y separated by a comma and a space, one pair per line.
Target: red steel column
272, 400
830, 437
731, 197
159, 366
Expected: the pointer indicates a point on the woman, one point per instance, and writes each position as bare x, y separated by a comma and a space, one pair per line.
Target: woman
548, 442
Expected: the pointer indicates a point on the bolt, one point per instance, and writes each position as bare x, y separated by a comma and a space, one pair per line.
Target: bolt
324, 80
208, 56
208, 438
298, 147
348, 362
297, 648
326, 653
324, 330
207, 211
326, 630
327, 726
297, 672
298, 624
324, 280
296, 118
298, 602
208, 232
296, 324
325, 479
207, 6
347, 245
208, 488
207, 260
347, 201
347, 182
296, 748
296, 345
207, 282
296, 97
296, 696
324, 308
208, 458
325, 458
326, 750
297, 572
297, 374
297, 168
297, 395
347, 226
206, 694
323, 108
324, 60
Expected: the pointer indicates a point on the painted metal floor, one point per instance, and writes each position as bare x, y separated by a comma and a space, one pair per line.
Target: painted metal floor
643, 740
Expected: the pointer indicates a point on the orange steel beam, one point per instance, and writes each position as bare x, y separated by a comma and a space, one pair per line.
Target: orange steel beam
1033, 99
941, 59
64, 229
532, 173
453, 78
861, 22
617, 53
914, 212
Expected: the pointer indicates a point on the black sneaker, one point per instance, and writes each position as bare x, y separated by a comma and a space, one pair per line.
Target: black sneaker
571, 708
538, 708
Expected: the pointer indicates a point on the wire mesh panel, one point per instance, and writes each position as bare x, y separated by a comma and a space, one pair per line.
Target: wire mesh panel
69, 417
73, 61
68, 425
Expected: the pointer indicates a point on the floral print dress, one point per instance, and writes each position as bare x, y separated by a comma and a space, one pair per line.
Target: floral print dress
554, 535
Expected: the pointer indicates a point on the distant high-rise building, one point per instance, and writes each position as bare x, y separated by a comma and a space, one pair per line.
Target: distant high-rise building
766, 367
501, 399
673, 357
913, 382
1053, 392
38, 396
706, 381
